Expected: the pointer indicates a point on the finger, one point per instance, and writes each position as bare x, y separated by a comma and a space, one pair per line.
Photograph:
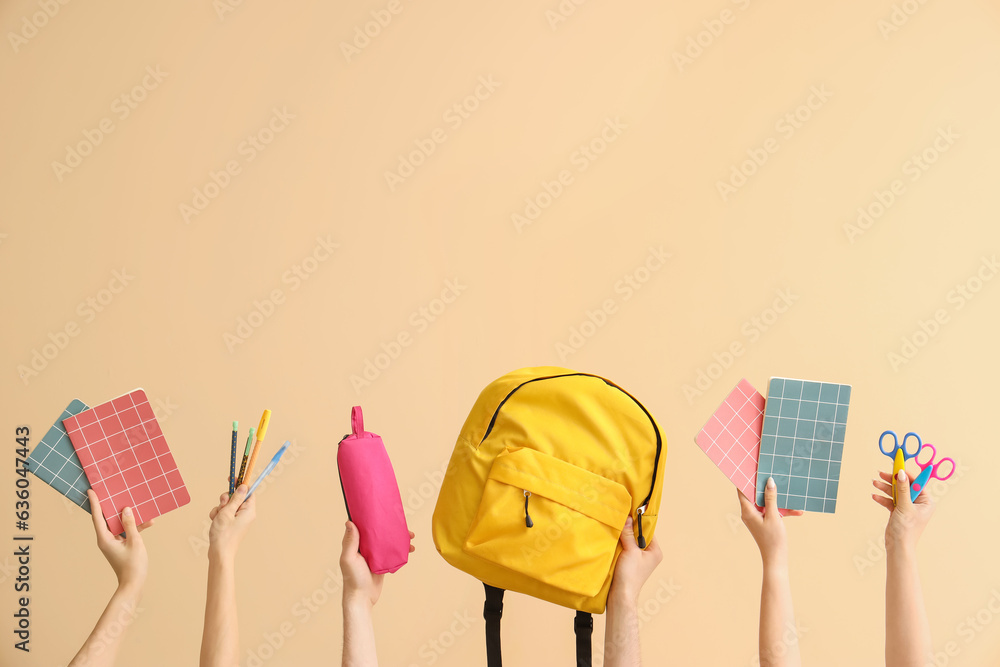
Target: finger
247, 511
128, 520
412, 534
97, 514
883, 501
884, 487
628, 536
771, 500
233, 503
794, 513
351, 539
223, 498
412, 548
144, 526
903, 490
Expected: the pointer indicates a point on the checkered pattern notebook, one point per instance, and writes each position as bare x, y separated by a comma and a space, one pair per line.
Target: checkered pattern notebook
54, 461
731, 436
126, 459
802, 443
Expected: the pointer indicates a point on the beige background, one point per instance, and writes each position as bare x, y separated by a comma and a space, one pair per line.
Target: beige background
655, 185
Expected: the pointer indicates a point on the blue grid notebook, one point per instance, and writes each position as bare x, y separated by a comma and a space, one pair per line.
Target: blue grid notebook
802, 443
54, 461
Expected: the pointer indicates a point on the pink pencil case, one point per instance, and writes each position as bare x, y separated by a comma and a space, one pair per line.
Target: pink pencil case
372, 497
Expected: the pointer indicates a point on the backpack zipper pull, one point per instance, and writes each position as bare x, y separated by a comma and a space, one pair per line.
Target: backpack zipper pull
527, 517
639, 538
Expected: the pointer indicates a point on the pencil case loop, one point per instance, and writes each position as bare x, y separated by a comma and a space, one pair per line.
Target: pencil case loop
357, 421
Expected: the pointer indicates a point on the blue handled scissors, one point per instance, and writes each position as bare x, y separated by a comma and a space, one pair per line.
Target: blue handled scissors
929, 471
899, 453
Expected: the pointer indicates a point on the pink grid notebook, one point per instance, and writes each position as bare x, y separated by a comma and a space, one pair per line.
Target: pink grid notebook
731, 437
126, 459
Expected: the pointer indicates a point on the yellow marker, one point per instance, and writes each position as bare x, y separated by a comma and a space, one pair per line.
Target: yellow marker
261, 432
898, 464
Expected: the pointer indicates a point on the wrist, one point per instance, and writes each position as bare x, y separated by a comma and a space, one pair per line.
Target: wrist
131, 586
622, 596
357, 600
219, 555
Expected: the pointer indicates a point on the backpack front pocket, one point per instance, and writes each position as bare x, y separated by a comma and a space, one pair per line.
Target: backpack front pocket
549, 520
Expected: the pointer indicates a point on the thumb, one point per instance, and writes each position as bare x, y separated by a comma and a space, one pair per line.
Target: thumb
352, 540
770, 498
97, 514
628, 536
128, 520
903, 490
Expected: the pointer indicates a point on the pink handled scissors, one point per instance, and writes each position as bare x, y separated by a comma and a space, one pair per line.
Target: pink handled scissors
929, 470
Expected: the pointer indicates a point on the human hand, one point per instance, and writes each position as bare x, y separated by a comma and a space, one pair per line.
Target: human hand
126, 555
907, 518
231, 519
767, 529
633, 567
360, 585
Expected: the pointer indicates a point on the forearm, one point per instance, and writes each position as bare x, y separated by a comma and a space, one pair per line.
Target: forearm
779, 645
621, 632
220, 641
359, 633
907, 631
101, 646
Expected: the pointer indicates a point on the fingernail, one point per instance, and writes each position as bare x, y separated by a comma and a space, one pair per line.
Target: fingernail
901, 476
628, 523
127, 511
770, 482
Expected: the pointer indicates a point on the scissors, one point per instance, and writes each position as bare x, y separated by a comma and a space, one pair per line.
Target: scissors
898, 454
929, 471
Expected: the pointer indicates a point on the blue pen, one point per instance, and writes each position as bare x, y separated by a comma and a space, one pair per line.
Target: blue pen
270, 466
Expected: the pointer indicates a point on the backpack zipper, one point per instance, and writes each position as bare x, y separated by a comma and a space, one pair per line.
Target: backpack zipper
659, 443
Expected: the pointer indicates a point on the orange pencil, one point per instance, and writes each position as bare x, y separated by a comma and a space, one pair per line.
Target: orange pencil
261, 432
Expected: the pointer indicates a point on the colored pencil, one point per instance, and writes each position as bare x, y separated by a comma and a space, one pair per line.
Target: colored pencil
246, 455
270, 466
261, 432
232, 461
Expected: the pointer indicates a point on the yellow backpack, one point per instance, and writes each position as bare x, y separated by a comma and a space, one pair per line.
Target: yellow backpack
547, 467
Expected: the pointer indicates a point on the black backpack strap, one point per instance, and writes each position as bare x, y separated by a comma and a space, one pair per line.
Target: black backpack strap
584, 628
492, 611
